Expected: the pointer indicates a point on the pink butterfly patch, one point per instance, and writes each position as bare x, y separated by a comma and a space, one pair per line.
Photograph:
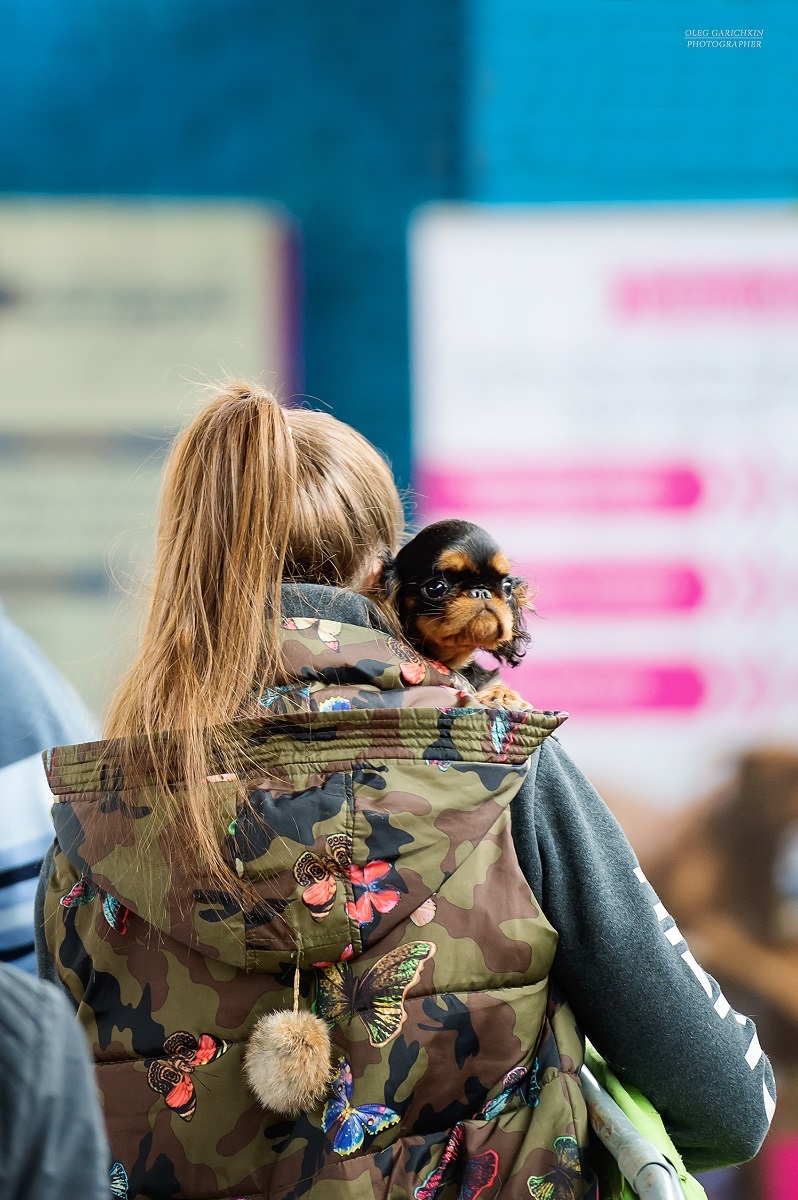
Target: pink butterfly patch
81, 893
412, 672
372, 896
346, 954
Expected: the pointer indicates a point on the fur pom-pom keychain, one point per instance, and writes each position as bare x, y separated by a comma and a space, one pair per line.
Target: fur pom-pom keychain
287, 1061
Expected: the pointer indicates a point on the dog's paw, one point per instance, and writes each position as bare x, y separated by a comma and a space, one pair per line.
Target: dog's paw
499, 696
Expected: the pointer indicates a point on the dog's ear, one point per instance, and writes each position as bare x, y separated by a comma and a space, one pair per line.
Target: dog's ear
384, 593
522, 598
520, 603
388, 579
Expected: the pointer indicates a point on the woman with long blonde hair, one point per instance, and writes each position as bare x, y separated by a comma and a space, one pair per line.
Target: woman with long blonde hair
298, 892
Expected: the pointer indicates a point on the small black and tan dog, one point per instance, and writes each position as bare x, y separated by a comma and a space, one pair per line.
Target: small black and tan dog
453, 593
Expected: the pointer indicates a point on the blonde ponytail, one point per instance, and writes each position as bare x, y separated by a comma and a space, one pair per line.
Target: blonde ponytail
212, 629
252, 493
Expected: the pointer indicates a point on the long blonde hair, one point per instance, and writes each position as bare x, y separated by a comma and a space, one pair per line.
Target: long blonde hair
254, 494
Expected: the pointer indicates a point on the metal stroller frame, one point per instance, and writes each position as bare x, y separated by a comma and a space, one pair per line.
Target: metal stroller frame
649, 1174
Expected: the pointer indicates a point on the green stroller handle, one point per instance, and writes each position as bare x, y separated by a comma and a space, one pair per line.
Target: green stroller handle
647, 1172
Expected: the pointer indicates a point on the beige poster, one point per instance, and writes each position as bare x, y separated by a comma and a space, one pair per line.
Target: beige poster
114, 317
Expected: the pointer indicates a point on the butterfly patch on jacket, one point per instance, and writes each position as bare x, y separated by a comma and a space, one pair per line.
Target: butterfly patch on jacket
520, 1083
327, 631
285, 698
475, 1175
372, 894
85, 891
115, 913
502, 732
171, 1076
377, 997
80, 893
354, 1120
318, 874
558, 1182
118, 1181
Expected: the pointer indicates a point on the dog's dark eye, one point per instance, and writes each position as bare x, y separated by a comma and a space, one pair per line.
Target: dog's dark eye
435, 589
507, 588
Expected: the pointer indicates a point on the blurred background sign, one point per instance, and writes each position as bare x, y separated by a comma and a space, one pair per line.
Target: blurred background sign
113, 315
610, 391
612, 382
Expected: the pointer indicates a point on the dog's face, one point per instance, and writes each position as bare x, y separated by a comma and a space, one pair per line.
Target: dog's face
453, 591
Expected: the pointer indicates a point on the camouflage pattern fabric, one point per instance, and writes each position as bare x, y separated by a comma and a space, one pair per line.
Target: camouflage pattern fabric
375, 839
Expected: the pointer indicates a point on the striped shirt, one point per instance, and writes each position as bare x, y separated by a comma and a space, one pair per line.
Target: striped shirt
38, 709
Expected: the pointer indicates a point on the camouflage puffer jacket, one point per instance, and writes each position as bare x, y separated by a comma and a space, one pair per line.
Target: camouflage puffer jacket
376, 839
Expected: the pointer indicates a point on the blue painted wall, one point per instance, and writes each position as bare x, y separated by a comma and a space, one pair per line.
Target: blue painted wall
351, 114
602, 100
346, 113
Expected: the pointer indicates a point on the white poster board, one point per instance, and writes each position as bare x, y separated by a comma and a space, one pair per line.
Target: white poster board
613, 392
115, 316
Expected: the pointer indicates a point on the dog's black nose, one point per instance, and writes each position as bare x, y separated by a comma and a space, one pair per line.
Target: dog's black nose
480, 593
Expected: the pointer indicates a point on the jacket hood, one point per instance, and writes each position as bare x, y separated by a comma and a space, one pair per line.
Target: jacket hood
334, 849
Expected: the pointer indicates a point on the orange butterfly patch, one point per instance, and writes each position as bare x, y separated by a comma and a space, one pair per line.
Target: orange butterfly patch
318, 874
425, 912
171, 1076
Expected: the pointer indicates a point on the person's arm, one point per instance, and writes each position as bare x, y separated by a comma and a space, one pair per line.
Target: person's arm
636, 990
26, 831
54, 1145
38, 709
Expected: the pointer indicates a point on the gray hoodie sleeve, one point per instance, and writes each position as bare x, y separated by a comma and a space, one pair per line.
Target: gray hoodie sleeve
52, 1141
635, 988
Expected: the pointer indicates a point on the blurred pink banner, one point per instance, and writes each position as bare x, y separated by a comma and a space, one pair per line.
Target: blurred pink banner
707, 291
610, 687
615, 589
481, 491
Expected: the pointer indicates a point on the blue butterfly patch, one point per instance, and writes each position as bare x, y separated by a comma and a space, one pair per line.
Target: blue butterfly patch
119, 1182
115, 913
355, 1120
502, 728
